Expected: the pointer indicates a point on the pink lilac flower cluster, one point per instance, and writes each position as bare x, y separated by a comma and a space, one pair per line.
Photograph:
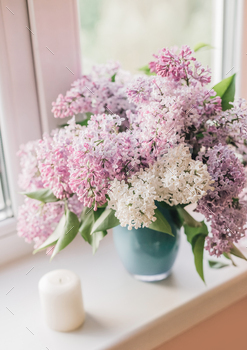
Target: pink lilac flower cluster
52, 155
36, 220
102, 91
169, 105
45, 162
29, 178
165, 102
101, 153
180, 65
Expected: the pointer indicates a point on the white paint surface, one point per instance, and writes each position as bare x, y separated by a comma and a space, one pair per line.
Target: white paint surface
121, 312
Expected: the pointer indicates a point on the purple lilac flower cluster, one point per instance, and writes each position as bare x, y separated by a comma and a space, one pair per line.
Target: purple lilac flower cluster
216, 137
228, 127
101, 153
222, 207
99, 92
135, 122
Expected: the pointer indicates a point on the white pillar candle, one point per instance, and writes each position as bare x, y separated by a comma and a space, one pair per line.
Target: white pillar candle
61, 300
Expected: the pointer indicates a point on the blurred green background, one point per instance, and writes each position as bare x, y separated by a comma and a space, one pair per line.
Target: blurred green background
130, 31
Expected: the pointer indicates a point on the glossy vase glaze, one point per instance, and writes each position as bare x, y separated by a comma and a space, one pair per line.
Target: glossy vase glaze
147, 254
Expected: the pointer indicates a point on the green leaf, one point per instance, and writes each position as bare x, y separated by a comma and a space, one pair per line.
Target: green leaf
89, 216
86, 225
43, 195
160, 224
176, 218
228, 256
103, 206
83, 122
216, 264
199, 136
89, 114
98, 213
226, 90
166, 206
198, 250
236, 252
105, 221
52, 239
200, 46
146, 70
187, 218
196, 237
96, 237
191, 232
69, 232
113, 78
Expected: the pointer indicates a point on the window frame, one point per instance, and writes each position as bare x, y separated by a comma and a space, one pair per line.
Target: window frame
233, 15
27, 87
19, 111
57, 63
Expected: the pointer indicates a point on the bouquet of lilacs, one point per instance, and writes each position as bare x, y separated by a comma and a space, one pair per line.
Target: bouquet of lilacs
145, 141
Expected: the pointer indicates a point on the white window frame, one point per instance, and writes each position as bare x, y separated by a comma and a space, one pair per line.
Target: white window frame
35, 66
228, 43
19, 112
243, 56
57, 62
29, 83
232, 41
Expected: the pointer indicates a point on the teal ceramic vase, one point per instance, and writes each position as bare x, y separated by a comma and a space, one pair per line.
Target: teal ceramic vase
147, 254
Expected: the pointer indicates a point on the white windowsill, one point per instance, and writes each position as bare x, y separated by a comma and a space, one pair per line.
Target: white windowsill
122, 313
7, 226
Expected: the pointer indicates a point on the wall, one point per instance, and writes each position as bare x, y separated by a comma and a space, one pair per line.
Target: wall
224, 331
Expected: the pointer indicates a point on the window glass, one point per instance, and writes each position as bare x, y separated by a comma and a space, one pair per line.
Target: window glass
5, 203
131, 31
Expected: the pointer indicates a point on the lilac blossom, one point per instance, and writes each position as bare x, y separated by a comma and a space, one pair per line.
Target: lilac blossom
228, 174
221, 206
180, 66
227, 227
29, 178
103, 91
168, 105
37, 221
135, 123
228, 127
101, 153
53, 152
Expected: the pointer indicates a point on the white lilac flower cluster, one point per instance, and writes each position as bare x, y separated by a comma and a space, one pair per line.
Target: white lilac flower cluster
174, 179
